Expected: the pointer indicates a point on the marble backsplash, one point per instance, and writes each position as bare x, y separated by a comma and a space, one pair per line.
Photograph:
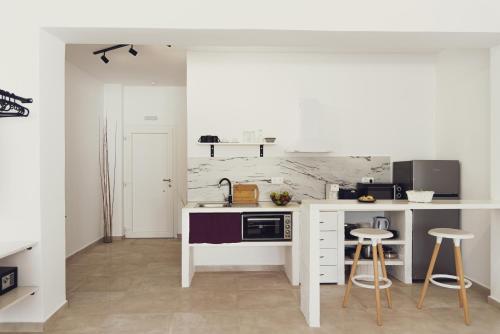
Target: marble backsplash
304, 177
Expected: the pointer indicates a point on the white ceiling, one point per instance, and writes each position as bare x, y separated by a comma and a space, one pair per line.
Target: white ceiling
154, 64
167, 66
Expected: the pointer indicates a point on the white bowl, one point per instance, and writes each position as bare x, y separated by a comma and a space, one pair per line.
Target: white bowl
420, 196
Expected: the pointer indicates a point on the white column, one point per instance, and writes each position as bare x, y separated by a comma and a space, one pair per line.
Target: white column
495, 170
309, 265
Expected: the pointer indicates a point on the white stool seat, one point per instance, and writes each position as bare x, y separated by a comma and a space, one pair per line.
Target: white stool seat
450, 233
371, 233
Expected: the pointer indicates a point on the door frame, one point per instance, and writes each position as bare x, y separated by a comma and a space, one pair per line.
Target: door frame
127, 177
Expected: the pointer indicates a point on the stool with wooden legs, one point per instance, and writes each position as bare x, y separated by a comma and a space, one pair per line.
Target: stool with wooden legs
376, 236
462, 283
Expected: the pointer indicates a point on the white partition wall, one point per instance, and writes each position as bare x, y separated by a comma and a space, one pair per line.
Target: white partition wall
495, 166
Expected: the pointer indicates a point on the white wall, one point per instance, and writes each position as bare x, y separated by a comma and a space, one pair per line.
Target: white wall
463, 133
354, 104
84, 105
495, 163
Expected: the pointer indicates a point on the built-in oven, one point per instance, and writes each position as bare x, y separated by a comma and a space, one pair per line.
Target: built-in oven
266, 226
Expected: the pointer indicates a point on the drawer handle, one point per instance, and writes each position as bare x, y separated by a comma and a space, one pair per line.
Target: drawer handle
321, 239
321, 274
321, 222
322, 256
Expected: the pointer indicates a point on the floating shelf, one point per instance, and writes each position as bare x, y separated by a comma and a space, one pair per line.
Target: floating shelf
368, 242
8, 248
14, 296
308, 151
247, 244
388, 262
260, 144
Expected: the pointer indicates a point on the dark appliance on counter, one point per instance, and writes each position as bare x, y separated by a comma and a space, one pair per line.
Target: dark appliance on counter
8, 277
209, 139
379, 190
266, 226
442, 177
348, 193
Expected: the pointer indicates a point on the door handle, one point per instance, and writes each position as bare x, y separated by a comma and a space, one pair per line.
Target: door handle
167, 180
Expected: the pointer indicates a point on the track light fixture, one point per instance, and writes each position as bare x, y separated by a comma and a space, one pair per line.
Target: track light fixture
132, 51
114, 47
104, 58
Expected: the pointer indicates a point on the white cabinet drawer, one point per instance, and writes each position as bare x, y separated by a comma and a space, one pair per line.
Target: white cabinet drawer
328, 239
328, 256
328, 274
328, 221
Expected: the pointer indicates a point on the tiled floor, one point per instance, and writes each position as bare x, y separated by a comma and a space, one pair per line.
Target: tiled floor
133, 286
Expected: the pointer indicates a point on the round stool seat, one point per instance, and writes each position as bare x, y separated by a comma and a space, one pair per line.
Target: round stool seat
385, 283
467, 283
450, 233
371, 233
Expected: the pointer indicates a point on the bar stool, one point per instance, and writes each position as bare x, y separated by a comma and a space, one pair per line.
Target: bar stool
376, 236
462, 283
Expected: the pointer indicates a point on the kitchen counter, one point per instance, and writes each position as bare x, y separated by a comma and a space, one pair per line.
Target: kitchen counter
312, 210
261, 207
243, 255
401, 205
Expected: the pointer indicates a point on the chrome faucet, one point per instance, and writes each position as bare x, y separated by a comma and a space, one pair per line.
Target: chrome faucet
230, 196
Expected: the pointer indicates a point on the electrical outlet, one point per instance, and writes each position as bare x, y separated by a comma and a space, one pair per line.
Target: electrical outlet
276, 180
367, 179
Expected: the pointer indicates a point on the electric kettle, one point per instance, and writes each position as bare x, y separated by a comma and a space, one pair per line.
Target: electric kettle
382, 223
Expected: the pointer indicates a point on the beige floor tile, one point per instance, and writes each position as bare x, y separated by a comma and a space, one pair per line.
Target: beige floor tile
133, 286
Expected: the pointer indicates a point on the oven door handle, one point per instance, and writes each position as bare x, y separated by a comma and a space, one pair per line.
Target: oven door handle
262, 219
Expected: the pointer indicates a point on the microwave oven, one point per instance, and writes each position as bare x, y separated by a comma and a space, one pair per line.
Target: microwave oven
380, 190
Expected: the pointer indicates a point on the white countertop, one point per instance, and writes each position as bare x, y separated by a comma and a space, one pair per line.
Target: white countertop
400, 205
263, 206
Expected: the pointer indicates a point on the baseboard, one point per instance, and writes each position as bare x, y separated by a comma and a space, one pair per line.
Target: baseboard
21, 327
84, 248
239, 268
493, 302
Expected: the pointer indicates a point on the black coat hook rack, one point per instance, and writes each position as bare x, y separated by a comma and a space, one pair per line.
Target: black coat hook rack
10, 108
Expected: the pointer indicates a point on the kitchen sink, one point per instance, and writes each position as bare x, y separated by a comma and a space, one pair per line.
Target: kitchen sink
212, 205
224, 205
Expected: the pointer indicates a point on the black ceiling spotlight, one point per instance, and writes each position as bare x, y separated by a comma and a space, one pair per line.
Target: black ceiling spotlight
114, 47
132, 51
104, 58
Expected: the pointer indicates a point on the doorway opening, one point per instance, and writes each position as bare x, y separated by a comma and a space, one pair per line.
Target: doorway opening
141, 96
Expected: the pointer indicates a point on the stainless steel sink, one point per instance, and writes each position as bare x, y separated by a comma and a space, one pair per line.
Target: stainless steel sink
212, 205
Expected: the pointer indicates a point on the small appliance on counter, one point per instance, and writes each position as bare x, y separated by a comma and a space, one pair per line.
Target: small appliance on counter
379, 190
8, 276
272, 226
209, 139
381, 223
348, 193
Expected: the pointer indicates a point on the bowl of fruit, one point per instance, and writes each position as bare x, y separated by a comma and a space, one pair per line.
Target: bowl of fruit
281, 198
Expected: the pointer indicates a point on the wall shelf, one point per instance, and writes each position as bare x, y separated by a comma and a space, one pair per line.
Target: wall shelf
14, 296
260, 144
8, 248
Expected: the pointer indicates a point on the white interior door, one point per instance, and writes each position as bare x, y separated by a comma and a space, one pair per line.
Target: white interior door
150, 185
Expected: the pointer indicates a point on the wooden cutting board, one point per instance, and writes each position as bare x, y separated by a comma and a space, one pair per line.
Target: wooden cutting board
245, 193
